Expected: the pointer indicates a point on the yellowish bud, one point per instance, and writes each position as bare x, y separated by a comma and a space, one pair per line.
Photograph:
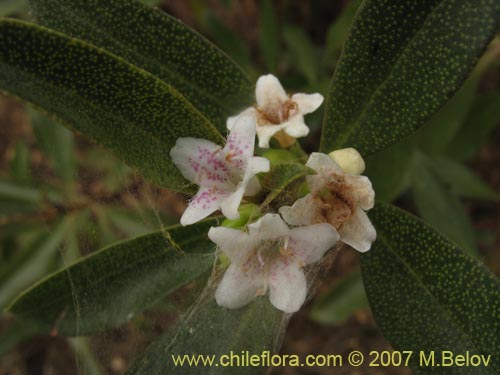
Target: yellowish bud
349, 160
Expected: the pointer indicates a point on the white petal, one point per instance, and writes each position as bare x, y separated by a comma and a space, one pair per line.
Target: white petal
234, 119
269, 226
308, 102
237, 288
310, 243
358, 231
229, 206
206, 201
232, 242
241, 140
257, 164
362, 192
322, 163
296, 127
191, 156
302, 212
268, 92
287, 285
266, 132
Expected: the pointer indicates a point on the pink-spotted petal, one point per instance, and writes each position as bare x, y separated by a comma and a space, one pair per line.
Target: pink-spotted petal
287, 285
238, 288
194, 157
205, 202
241, 140
310, 243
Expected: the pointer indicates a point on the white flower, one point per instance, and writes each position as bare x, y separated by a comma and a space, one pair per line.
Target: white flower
338, 198
276, 111
270, 256
223, 174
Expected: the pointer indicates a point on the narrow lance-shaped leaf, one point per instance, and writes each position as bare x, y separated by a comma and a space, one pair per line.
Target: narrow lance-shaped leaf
113, 103
402, 61
108, 287
158, 43
428, 295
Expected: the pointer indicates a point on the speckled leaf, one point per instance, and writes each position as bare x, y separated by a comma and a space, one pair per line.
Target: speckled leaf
402, 61
282, 175
211, 330
108, 287
426, 294
158, 43
113, 103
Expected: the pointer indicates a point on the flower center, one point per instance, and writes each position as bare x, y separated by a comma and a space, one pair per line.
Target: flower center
335, 205
265, 252
277, 114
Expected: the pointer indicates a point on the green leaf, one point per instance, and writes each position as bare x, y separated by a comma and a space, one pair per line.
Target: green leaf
214, 331
20, 165
427, 295
30, 265
158, 43
439, 206
347, 297
390, 170
113, 103
403, 59
24, 193
57, 143
85, 357
436, 135
303, 53
462, 181
480, 122
9, 7
268, 36
108, 287
280, 177
338, 31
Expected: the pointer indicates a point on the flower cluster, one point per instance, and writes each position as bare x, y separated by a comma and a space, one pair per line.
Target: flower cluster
270, 253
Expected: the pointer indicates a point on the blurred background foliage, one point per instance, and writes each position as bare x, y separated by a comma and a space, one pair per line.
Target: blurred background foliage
62, 197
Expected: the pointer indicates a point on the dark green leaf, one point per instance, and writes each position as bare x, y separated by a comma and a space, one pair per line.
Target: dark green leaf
390, 170
338, 31
268, 36
443, 126
9, 7
303, 53
280, 177
108, 287
213, 330
480, 122
58, 144
30, 265
439, 206
115, 104
462, 181
402, 61
427, 295
158, 43
20, 165
347, 297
